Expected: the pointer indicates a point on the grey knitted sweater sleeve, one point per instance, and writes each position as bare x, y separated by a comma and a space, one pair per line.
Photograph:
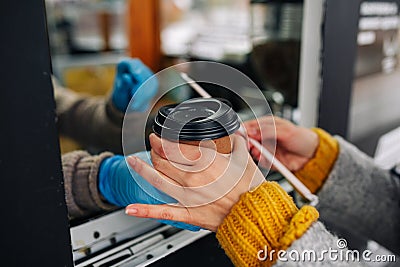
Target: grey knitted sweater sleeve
359, 196
362, 197
319, 248
80, 182
92, 121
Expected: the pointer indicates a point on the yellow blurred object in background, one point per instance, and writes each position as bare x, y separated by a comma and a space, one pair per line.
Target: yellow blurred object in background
92, 80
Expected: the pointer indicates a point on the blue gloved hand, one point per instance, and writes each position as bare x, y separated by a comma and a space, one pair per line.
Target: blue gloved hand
130, 81
121, 186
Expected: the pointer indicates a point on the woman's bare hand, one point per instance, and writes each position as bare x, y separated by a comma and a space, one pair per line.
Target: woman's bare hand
295, 145
206, 183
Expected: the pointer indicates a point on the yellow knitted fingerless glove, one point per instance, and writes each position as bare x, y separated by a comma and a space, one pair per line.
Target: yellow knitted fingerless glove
315, 172
264, 218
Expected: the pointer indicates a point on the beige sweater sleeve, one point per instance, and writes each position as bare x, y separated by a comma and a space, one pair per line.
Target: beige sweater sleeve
80, 182
92, 121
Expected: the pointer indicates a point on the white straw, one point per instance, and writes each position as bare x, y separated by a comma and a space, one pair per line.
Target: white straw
195, 86
296, 183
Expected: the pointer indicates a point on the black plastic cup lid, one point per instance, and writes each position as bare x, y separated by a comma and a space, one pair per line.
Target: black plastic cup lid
196, 119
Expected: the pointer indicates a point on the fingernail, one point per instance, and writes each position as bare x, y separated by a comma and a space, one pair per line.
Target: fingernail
131, 211
132, 160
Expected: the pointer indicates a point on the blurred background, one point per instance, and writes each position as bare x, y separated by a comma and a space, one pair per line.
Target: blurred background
260, 38
332, 64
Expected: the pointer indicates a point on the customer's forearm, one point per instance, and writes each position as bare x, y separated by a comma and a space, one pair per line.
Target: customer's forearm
80, 171
92, 121
362, 198
87, 122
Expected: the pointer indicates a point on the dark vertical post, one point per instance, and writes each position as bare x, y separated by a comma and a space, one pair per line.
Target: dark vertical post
34, 225
340, 30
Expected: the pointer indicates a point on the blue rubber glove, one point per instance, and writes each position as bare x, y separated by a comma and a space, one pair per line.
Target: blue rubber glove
133, 80
122, 186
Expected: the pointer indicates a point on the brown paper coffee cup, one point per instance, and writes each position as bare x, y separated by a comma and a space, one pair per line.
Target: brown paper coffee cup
198, 119
222, 144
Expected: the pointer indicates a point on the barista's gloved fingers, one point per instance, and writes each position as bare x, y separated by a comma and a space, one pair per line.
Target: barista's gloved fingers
143, 94
124, 82
155, 178
180, 153
161, 212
